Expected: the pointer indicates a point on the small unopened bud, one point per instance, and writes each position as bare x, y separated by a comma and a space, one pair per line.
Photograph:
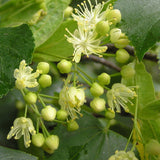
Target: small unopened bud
109, 114
98, 104
48, 113
72, 125
104, 79
113, 16
43, 67
64, 66
38, 139
62, 115
127, 71
102, 27
68, 11
19, 105
30, 98
122, 56
96, 89
45, 80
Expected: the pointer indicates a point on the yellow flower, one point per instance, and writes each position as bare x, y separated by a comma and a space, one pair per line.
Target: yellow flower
22, 127
71, 99
85, 42
24, 77
119, 96
88, 17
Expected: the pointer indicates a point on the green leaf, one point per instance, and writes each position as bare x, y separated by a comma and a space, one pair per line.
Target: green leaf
16, 12
151, 110
15, 44
56, 47
91, 142
49, 24
141, 23
145, 91
8, 154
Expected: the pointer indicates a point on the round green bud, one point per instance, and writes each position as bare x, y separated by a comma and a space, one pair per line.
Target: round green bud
43, 67
64, 66
102, 27
45, 80
68, 11
48, 113
121, 43
104, 79
38, 139
62, 115
122, 56
30, 98
98, 104
19, 104
153, 147
72, 125
113, 16
127, 71
96, 89
109, 114
52, 142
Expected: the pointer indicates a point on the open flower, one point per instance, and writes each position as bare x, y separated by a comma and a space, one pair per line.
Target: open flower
22, 127
71, 99
24, 77
85, 42
88, 17
122, 155
119, 96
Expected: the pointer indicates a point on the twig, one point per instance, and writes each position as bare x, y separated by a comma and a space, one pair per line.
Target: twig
102, 61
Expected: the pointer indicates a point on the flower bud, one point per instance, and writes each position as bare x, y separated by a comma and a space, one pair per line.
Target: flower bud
72, 125
62, 115
122, 56
52, 142
113, 16
109, 114
96, 90
104, 79
45, 80
64, 66
48, 113
153, 147
38, 139
118, 38
30, 98
102, 27
19, 105
43, 67
127, 71
98, 104
68, 11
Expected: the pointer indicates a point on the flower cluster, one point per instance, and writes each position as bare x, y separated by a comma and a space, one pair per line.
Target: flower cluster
86, 39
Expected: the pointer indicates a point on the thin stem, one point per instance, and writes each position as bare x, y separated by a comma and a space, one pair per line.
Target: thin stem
22, 92
106, 88
85, 74
128, 141
37, 127
59, 121
43, 104
108, 54
25, 113
89, 83
115, 74
38, 114
44, 128
75, 74
48, 96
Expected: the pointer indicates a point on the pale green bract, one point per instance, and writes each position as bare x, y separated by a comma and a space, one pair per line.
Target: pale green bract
119, 96
24, 77
22, 127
